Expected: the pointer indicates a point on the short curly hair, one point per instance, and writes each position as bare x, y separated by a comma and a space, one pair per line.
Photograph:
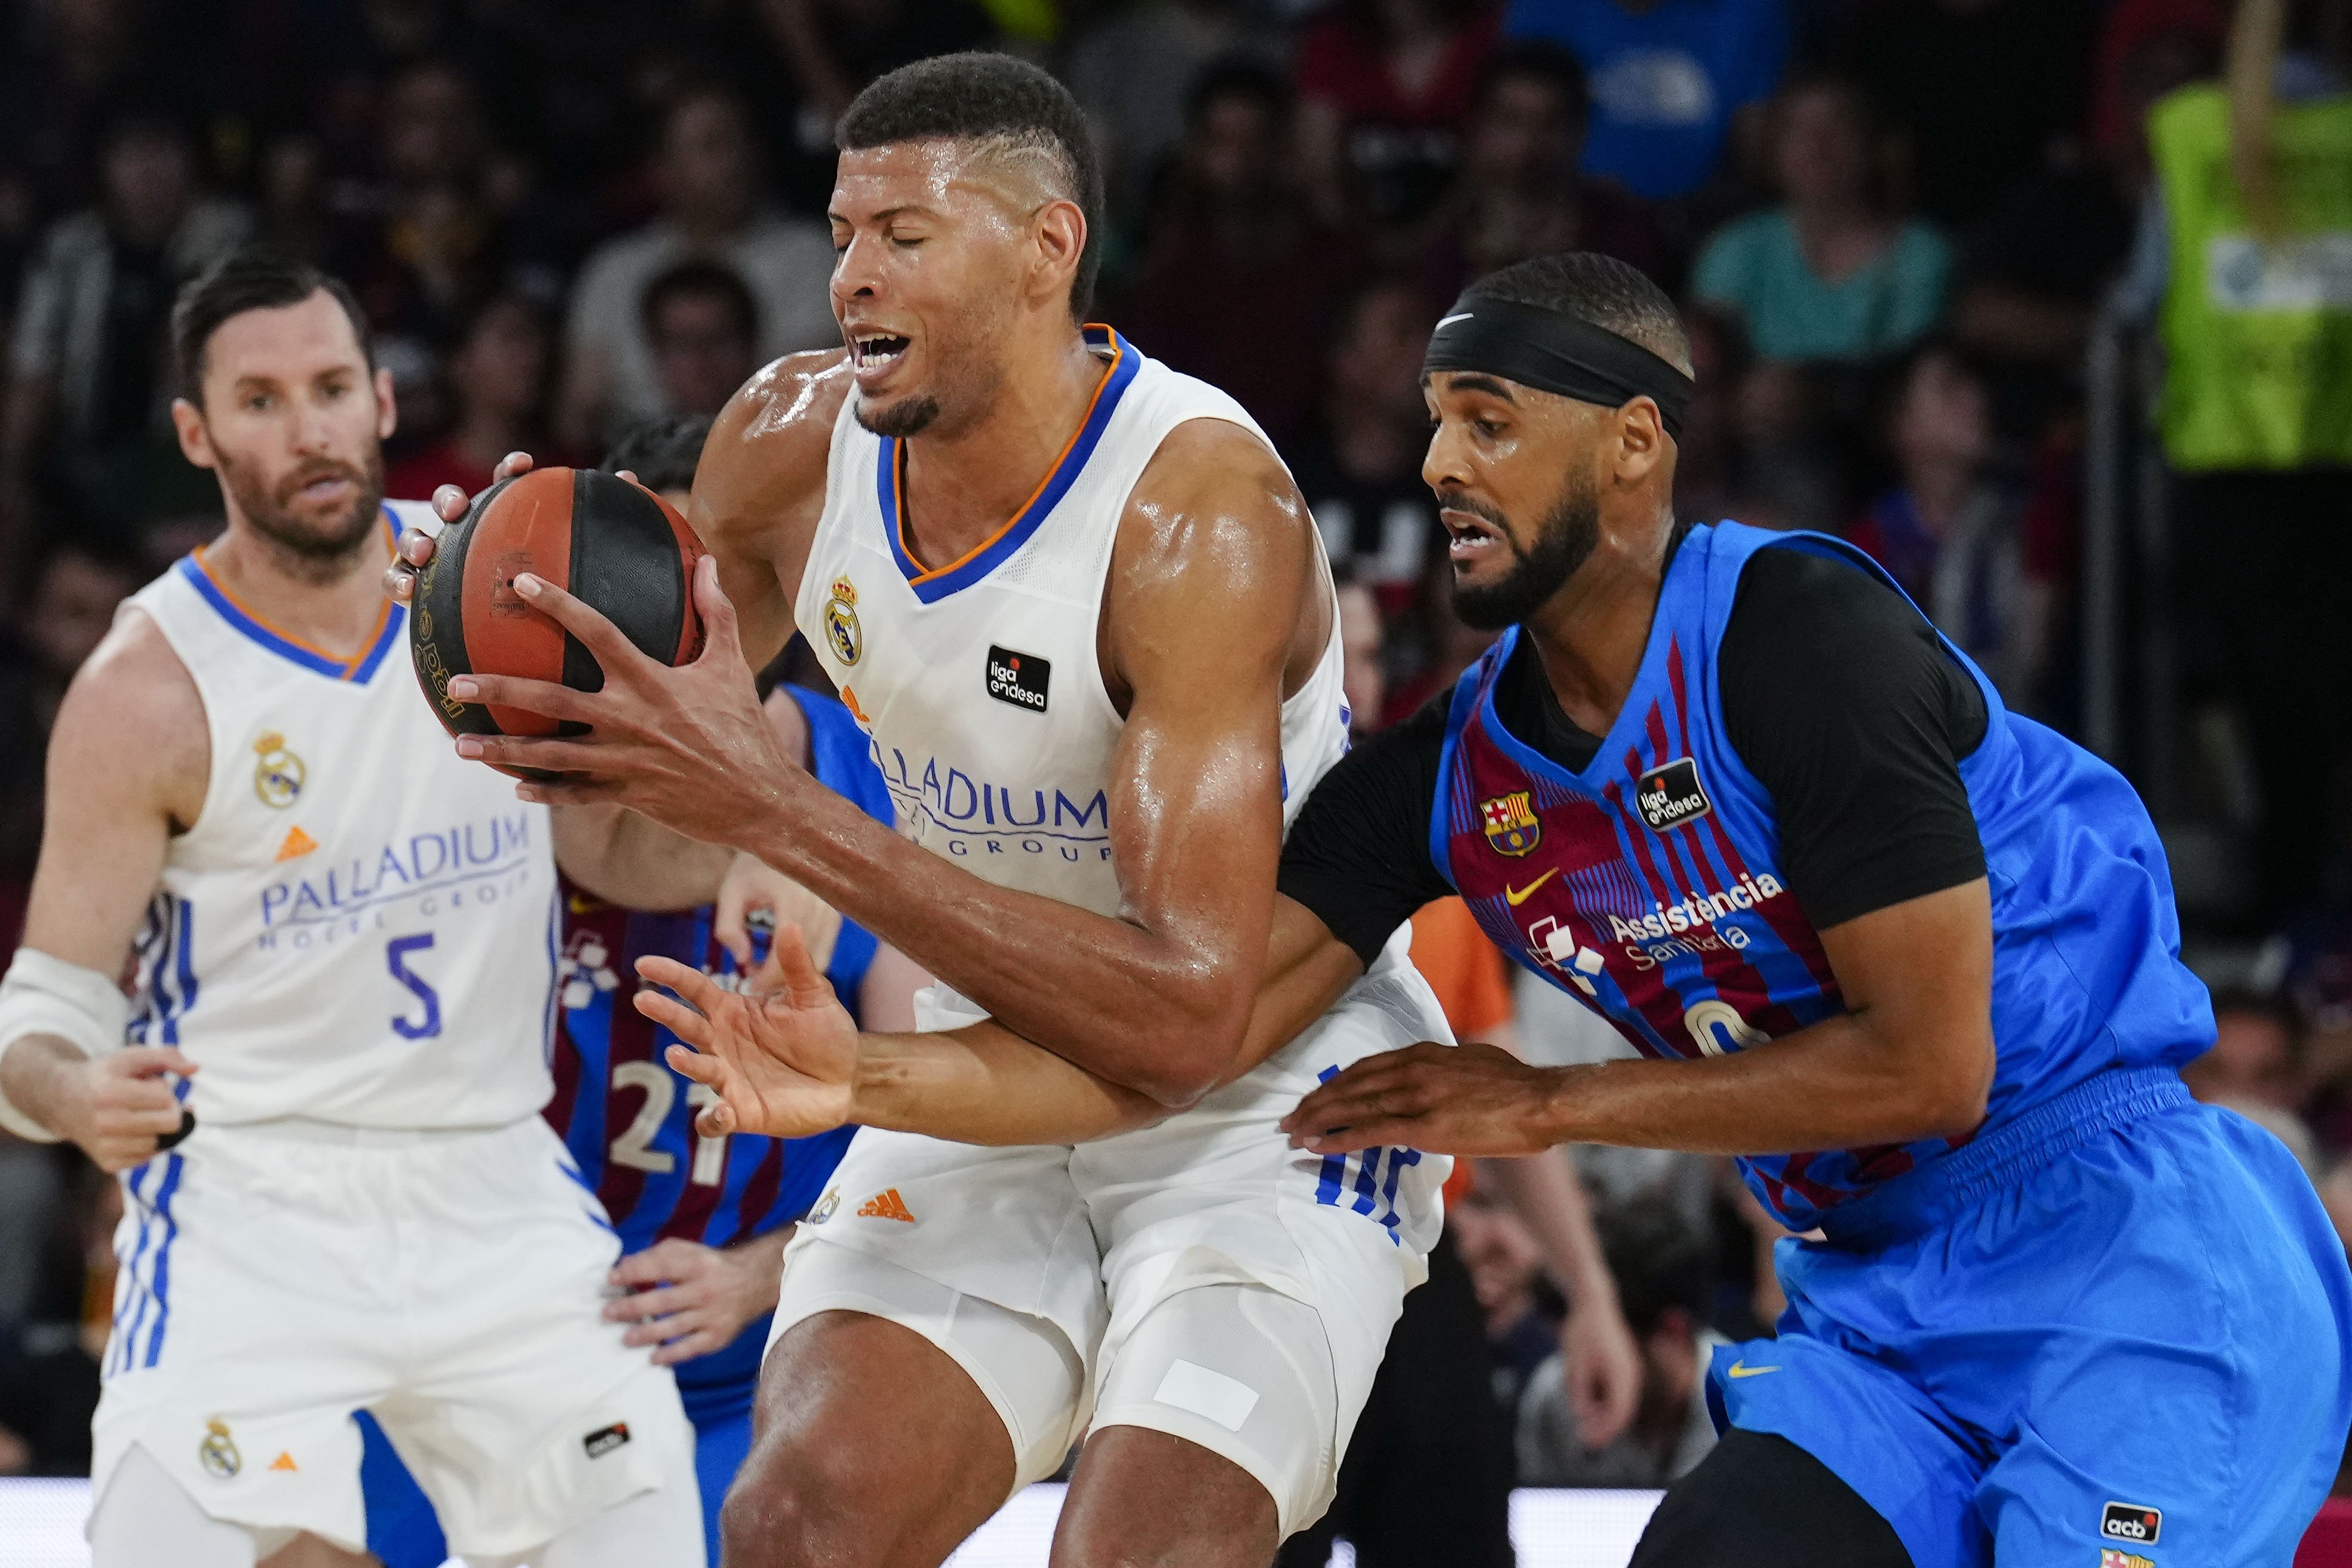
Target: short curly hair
997, 100
1612, 295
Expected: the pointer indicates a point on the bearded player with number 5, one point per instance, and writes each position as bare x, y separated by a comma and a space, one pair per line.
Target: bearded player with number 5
324, 1094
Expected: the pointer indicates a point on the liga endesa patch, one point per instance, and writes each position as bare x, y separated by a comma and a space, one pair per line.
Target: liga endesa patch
1671, 795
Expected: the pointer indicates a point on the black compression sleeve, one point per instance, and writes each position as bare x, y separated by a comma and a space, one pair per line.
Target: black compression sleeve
1359, 854
1844, 706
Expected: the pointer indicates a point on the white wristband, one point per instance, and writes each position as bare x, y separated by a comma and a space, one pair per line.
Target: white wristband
45, 995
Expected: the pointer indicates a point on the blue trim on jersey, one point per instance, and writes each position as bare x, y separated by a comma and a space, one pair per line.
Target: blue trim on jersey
931, 586
357, 672
163, 1271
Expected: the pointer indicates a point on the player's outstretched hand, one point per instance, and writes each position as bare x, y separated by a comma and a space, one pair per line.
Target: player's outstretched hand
688, 1300
1451, 1099
750, 887
781, 1053
120, 1106
690, 747
415, 547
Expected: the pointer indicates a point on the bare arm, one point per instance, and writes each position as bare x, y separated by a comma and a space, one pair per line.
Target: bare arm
1215, 584
128, 758
1912, 1058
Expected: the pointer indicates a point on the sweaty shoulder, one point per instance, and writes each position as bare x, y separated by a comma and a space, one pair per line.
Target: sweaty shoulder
1215, 518
132, 730
759, 490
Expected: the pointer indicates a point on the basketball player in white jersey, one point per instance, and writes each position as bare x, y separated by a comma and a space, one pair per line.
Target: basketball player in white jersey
343, 957
1078, 606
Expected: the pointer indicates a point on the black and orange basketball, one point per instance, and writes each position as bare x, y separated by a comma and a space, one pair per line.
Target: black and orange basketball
613, 544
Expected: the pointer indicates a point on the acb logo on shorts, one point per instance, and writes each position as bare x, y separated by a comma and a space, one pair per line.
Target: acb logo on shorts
2131, 1522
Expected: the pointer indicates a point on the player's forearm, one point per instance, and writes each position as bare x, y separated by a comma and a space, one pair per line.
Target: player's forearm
627, 858
983, 1084
1841, 1083
36, 1079
1134, 1006
1543, 1190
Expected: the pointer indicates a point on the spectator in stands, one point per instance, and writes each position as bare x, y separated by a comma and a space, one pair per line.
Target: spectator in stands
1669, 77
1238, 285
1362, 680
1133, 71
712, 211
1986, 89
1519, 194
497, 384
1664, 1279
1949, 529
703, 326
1833, 273
2256, 417
1360, 465
1383, 89
85, 440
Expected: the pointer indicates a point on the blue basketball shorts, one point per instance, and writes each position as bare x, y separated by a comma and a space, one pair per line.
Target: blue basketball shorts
2110, 1333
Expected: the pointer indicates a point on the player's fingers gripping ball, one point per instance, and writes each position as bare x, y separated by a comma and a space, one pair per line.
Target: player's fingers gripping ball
610, 542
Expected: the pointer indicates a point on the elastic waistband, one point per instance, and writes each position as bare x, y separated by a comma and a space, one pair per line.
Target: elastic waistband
1927, 1197
303, 1130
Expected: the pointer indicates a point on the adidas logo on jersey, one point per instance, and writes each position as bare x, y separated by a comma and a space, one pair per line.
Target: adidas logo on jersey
886, 1206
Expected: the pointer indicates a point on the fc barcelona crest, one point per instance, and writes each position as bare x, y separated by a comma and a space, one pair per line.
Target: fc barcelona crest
1510, 822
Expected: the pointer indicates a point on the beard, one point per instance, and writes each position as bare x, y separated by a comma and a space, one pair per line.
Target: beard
1564, 539
908, 417
333, 539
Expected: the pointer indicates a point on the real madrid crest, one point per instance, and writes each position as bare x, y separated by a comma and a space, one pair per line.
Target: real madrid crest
841, 622
278, 777
825, 1206
1510, 822
218, 1450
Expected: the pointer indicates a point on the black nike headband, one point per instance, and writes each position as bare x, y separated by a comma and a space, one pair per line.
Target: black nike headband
1556, 353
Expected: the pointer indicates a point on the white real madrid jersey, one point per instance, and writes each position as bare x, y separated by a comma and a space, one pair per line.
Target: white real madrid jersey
359, 926
978, 681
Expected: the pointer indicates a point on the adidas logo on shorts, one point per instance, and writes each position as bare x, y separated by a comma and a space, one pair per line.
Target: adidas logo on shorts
886, 1206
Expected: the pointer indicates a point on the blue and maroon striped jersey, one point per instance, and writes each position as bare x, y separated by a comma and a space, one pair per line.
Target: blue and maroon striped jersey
1649, 884
628, 1117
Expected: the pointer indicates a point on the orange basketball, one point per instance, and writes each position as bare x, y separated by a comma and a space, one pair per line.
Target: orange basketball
610, 542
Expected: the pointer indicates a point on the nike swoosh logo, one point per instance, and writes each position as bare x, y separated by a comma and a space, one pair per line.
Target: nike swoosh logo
1741, 1369
1514, 896
1448, 321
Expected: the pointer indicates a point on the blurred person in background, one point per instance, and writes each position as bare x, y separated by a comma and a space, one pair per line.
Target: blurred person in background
1358, 466
1984, 89
1669, 78
1383, 89
1523, 1310
1519, 192
834, 48
712, 210
497, 375
703, 326
84, 439
1950, 528
1133, 70
2241, 265
2255, 1069
1665, 1278
1361, 679
1237, 282
1833, 273
74, 587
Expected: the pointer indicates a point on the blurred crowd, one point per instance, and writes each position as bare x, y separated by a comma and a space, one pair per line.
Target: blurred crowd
1896, 225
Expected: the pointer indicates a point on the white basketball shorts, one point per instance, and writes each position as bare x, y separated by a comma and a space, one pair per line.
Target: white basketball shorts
1200, 1277
276, 1278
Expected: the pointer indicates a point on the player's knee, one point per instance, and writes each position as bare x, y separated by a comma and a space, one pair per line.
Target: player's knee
793, 1502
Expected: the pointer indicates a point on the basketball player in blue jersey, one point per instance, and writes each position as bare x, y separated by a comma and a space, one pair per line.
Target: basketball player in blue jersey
1911, 957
